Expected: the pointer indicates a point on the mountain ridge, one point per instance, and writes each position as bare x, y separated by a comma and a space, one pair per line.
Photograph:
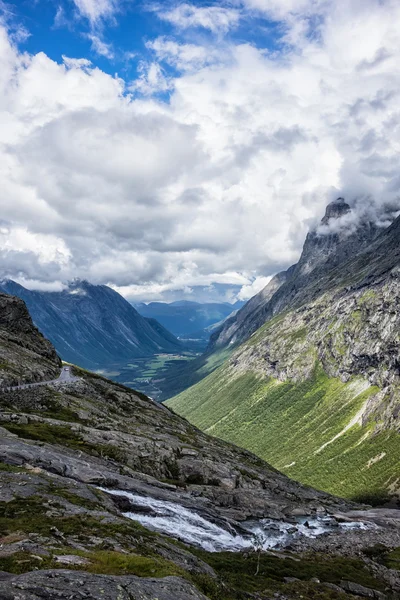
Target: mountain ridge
185, 318
321, 253
93, 325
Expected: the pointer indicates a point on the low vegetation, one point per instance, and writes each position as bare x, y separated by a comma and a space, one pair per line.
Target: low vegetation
299, 428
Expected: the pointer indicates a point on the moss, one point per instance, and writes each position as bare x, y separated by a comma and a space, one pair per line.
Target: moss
22, 562
64, 436
196, 479
55, 410
117, 563
45, 432
173, 468
11, 468
392, 559
299, 335
30, 515
367, 297
72, 498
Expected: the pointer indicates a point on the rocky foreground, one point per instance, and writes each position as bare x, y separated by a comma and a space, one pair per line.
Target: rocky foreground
72, 459
60, 532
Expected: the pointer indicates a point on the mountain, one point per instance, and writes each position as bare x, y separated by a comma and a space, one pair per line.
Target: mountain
92, 325
184, 318
98, 482
312, 383
332, 244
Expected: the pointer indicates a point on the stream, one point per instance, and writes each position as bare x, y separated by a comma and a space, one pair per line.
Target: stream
186, 525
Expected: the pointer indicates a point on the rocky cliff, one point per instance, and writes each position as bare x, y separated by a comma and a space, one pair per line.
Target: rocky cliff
25, 355
83, 465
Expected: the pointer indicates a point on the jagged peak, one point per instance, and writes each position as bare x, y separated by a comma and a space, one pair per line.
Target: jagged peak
335, 210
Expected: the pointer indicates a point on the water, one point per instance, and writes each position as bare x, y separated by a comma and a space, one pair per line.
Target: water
179, 522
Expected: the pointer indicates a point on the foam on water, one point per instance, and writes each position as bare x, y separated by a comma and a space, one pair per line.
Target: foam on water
177, 521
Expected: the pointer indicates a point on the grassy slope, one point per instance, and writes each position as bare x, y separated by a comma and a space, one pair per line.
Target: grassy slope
287, 423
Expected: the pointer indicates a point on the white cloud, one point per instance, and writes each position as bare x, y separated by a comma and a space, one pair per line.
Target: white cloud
95, 11
216, 187
251, 289
43, 286
151, 80
186, 57
282, 9
216, 19
100, 47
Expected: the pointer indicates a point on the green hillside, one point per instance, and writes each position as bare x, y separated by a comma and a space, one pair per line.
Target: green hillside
310, 430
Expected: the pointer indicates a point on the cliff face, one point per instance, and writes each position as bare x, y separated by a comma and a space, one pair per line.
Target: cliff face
25, 355
318, 382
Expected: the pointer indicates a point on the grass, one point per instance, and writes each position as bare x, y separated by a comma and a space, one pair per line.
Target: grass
237, 569
299, 428
109, 562
45, 432
237, 578
104, 562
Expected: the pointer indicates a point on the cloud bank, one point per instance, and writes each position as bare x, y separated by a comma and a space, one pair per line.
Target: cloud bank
216, 184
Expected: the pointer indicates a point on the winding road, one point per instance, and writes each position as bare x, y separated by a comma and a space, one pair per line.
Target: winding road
65, 377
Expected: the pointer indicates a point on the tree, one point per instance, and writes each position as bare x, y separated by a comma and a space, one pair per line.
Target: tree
258, 546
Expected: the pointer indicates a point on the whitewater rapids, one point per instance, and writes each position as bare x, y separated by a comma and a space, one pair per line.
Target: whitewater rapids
186, 525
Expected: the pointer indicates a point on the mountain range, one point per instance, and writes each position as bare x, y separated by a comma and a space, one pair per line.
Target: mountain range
92, 325
187, 319
310, 366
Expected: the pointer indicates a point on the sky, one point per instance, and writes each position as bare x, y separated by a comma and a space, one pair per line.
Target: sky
183, 149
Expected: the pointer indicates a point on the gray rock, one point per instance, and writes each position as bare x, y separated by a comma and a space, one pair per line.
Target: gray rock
74, 585
71, 559
334, 587
360, 590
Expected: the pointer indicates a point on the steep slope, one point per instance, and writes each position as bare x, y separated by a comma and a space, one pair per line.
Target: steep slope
93, 325
82, 466
315, 390
25, 355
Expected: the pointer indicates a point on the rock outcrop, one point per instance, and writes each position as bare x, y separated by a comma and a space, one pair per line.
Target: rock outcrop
70, 585
25, 355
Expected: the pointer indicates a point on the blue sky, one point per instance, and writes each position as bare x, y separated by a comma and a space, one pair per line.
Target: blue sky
64, 28
183, 149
